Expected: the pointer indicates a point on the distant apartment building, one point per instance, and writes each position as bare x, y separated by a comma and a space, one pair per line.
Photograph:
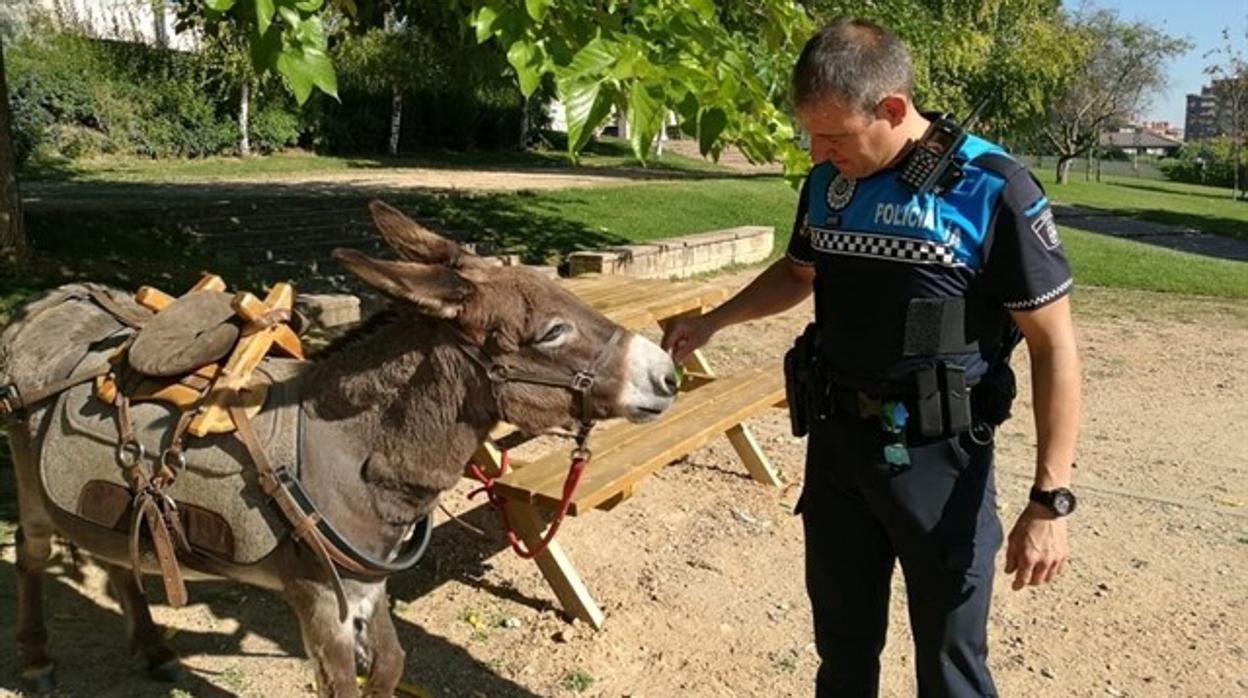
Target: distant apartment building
140, 21
1209, 113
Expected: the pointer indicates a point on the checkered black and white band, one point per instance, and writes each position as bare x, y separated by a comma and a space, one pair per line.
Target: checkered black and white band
845, 242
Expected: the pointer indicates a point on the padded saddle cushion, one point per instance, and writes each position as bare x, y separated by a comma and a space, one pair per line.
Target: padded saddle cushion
194, 330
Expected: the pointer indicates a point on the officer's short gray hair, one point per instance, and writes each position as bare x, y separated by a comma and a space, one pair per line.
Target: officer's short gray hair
854, 62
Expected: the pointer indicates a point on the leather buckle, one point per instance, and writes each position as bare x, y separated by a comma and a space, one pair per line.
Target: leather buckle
582, 381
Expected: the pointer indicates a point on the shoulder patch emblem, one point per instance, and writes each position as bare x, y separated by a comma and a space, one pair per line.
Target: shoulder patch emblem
1046, 230
840, 191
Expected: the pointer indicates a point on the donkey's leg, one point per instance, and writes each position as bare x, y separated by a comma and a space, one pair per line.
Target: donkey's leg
34, 550
145, 636
387, 654
329, 642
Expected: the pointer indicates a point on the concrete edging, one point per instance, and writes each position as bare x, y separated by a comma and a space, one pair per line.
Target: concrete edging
680, 256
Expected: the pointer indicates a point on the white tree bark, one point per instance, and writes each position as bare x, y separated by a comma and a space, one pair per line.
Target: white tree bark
396, 119
244, 119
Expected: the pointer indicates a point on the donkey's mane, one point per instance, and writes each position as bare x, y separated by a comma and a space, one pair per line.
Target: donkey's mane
371, 325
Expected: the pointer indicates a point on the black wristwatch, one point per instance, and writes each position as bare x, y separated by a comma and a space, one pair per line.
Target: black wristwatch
1060, 501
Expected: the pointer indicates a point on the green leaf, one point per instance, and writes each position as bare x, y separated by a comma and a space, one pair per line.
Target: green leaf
578, 103
264, 14
591, 61
264, 49
310, 34
309, 5
290, 16
537, 8
645, 116
483, 21
586, 105
710, 124
305, 68
526, 58
221, 6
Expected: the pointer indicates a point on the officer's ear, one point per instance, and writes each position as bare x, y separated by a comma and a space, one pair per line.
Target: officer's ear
893, 109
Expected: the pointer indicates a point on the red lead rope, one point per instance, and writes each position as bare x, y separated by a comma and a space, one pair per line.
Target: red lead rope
579, 459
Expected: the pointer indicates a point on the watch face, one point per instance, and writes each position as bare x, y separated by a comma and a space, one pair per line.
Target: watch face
1063, 502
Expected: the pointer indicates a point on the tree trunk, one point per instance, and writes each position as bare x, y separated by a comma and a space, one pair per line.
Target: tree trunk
396, 118
13, 245
1063, 168
244, 119
524, 123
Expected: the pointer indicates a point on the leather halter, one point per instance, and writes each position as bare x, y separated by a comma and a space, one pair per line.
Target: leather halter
580, 382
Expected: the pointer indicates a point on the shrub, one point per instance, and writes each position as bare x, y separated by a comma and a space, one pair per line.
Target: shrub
1205, 162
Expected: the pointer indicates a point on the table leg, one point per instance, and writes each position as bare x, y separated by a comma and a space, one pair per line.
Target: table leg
554, 564
742, 440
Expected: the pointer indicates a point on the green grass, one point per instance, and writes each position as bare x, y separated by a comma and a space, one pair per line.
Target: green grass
601, 217
603, 155
1208, 209
1100, 260
544, 225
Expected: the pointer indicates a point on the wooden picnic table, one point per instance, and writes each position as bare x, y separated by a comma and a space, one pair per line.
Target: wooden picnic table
625, 454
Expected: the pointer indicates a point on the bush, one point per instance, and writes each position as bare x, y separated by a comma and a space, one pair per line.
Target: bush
1205, 162
76, 97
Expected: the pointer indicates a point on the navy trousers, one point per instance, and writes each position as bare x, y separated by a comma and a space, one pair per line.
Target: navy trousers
937, 516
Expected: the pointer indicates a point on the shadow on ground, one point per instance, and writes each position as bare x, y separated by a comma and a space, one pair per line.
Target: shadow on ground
87, 639
1170, 229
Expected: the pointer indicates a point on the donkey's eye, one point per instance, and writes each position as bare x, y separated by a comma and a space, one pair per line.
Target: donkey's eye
554, 333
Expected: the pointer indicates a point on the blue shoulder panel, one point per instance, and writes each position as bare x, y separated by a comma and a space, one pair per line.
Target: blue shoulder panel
970, 205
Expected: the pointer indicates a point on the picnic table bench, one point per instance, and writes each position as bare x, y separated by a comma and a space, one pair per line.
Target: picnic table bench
625, 454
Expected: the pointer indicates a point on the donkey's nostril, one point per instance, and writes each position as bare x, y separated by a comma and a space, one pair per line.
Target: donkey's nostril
671, 382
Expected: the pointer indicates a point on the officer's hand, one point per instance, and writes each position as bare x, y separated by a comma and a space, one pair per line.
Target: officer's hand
1037, 550
684, 335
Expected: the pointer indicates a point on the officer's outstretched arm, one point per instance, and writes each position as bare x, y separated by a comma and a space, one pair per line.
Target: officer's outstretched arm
781, 286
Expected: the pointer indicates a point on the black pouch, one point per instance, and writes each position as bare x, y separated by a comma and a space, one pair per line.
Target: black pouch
928, 400
957, 399
799, 379
993, 396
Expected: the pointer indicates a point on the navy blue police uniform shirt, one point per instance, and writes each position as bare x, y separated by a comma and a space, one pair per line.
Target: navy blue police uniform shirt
876, 245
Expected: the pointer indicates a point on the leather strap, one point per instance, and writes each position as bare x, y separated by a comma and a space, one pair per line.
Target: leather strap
14, 399
127, 316
302, 523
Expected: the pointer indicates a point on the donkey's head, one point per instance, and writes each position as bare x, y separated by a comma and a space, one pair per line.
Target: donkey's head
532, 336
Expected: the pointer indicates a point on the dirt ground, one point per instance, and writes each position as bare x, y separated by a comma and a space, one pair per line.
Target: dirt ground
700, 574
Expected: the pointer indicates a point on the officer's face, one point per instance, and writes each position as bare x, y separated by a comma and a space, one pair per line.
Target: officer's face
859, 144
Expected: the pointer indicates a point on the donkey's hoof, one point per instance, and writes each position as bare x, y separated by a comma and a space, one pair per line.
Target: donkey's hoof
40, 679
168, 671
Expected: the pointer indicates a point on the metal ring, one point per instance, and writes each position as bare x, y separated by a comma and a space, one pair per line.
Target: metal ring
981, 433
130, 452
581, 453
498, 373
173, 458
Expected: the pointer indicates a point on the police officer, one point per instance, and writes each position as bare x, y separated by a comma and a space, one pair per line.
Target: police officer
919, 300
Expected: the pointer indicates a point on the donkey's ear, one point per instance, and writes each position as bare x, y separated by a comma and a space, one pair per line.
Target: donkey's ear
415, 242
436, 290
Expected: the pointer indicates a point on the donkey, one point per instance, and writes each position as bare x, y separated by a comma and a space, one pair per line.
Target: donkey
391, 419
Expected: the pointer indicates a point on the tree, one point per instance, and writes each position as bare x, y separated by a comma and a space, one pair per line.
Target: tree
13, 246
1125, 63
1230, 77
721, 67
